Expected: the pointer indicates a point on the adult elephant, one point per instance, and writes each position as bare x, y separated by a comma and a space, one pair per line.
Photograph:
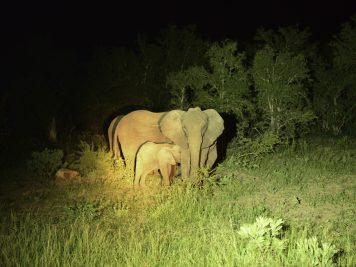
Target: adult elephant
194, 131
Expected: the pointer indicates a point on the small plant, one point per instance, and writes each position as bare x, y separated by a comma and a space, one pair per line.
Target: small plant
85, 210
263, 235
120, 209
124, 171
93, 162
45, 163
204, 179
311, 252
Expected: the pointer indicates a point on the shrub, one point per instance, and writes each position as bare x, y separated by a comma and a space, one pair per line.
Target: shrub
85, 210
45, 163
93, 162
247, 152
125, 169
263, 235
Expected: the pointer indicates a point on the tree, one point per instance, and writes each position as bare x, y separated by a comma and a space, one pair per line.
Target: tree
222, 85
335, 90
289, 39
344, 46
279, 78
174, 50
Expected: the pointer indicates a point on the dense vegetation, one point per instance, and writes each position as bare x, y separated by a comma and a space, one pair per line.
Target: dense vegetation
283, 194
279, 82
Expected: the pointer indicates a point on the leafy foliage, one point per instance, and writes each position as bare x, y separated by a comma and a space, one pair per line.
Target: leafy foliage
223, 85
174, 50
86, 211
45, 163
290, 39
183, 86
264, 235
311, 252
281, 96
344, 47
93, 162
124, 169
335, 89
247, 152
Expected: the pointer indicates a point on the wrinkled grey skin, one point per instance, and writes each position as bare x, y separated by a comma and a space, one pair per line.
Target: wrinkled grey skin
151, 157
194, 131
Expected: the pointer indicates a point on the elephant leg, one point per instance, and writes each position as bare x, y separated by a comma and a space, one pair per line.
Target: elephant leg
114, 137
139, 171
174, 170
130, 164
110, 141
174, 173
212, 156
143, 179
137, 178
204, 156
185, 163
116, 148
129, 155
166, 173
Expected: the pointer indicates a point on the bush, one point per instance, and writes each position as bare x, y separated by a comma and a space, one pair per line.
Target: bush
125, 169
93, 162
247, 152
46, 162
264, 235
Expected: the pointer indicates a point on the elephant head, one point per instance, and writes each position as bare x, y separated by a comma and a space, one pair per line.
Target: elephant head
168, 159
169, 155
192, 131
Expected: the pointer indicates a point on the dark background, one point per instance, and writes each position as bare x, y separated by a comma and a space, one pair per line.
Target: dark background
49, 51
83, 25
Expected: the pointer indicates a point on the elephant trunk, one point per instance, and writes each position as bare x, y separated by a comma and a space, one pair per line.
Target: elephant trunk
185, 162
195, 150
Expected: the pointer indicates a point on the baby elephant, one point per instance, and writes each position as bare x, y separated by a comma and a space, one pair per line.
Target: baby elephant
156, 156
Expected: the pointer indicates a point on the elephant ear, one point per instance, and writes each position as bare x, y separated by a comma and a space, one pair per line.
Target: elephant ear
170, 125
165, 157
214, 129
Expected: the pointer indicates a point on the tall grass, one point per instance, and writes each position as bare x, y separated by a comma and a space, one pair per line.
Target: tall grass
186, 227
232, 220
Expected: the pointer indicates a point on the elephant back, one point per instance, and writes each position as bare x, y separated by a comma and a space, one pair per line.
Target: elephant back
138, 127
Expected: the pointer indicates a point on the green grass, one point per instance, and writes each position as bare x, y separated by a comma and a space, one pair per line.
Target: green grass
311, 188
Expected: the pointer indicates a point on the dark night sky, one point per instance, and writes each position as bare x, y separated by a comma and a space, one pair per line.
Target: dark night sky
83, 25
